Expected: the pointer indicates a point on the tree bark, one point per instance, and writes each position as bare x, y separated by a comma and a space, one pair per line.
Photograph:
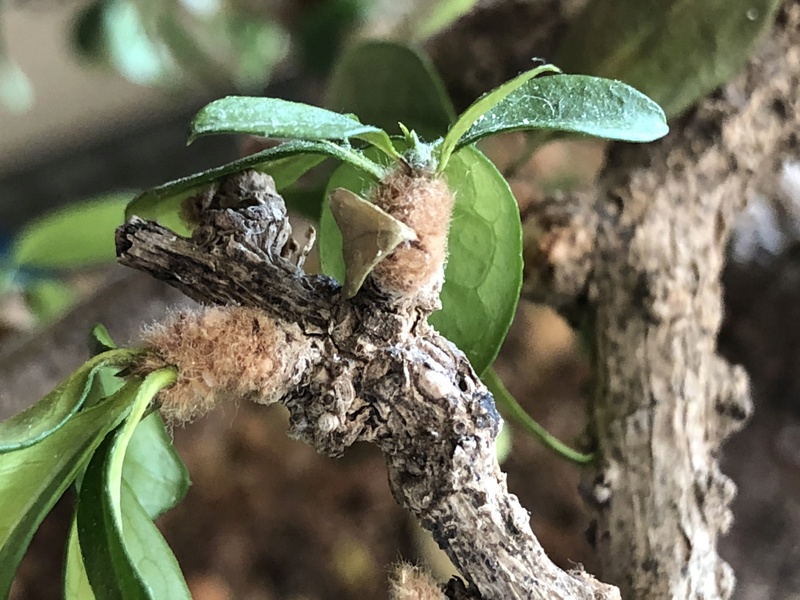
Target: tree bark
374, 371
637, 266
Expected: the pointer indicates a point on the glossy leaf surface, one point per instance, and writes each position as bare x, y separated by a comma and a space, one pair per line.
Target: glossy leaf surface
481, 106
54, 410
34, 478
276, 118
285, 163
124, 554
575, 104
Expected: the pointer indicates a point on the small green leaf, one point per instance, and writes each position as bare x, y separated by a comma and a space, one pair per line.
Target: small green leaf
100, 340
483, 276
384, 82
480, 107
34, 478
54, 410
510, 407
574, 103
153, 469
276, 118
124, 554
285, 163
675, 51
77, 236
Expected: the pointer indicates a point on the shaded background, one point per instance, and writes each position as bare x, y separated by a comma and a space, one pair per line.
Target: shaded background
267, 518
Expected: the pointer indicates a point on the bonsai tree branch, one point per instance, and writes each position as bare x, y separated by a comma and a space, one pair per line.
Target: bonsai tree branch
367, 369
637, 265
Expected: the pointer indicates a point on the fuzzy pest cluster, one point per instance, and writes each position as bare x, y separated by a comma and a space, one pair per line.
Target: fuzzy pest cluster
424, 202
222, 353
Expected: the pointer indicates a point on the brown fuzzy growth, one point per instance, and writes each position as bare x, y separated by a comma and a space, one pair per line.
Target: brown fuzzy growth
223, 353
412, 583
423, 202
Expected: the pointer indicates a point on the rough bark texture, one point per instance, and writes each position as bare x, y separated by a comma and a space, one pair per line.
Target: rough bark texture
375, 372
638, 265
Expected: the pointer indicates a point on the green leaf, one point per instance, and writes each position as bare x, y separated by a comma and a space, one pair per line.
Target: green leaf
275, 118
285, 163
76, 582
153, 469
34, 478
115, 33
77, 236
54, 410
510, 407
100, 339
385, 82
481, 106
675, 51
16, 91
124, 554
573, 103
431, 18
484, 269
48, 299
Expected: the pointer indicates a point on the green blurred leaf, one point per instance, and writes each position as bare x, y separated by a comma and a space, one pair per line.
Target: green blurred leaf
34, 478
124, 554
324, 29
305, 202
430, 18
573, 103
484, 269
675, 51
53, 411
509, 407
153, 469
16, 91
257, 46
48, 299
79, 235
480, 107
385, 82
276, 118
115, 33
285, 163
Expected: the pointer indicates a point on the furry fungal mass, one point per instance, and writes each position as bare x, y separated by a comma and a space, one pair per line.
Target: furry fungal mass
223, 353
424, 203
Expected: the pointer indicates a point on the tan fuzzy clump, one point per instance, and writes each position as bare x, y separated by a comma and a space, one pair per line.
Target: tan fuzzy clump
424, 202
222, 353
412, 583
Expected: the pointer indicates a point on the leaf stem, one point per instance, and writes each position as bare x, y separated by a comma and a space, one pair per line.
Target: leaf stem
511, 407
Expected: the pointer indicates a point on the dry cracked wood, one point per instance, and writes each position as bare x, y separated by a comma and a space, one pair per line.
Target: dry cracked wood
636, 264
373, 371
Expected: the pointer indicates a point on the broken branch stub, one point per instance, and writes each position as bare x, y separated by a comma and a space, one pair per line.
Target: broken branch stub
367, 369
